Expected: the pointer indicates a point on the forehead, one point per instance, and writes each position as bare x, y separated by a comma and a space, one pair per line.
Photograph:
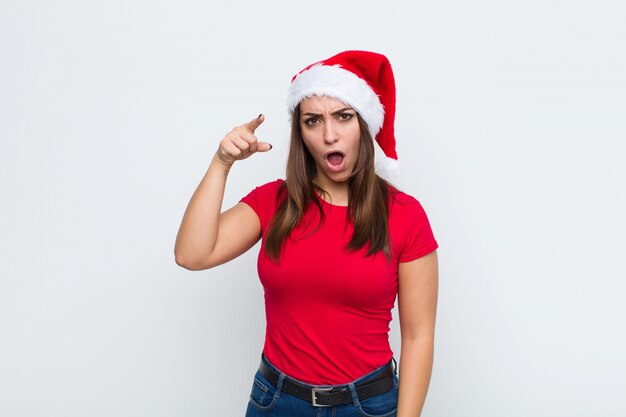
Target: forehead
319, 104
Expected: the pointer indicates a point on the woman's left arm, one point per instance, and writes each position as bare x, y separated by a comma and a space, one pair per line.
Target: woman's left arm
417, 307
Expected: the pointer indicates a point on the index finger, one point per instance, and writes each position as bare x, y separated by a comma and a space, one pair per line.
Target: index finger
255, 123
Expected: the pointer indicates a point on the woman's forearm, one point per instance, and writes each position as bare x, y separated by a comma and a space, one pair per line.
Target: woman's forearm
416, 362
198, 233
198, 230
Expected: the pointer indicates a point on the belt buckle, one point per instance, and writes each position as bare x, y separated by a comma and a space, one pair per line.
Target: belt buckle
314, 398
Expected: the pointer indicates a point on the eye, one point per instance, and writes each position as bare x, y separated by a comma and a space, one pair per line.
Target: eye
311, 121
345, 116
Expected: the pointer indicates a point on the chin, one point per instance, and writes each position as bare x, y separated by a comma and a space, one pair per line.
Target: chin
339, 177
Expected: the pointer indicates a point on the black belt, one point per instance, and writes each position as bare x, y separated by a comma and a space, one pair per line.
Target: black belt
337, 395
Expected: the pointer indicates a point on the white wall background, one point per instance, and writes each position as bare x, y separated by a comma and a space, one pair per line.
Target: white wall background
511, 131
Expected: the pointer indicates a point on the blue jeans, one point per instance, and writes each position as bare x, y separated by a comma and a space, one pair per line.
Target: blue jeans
269, 401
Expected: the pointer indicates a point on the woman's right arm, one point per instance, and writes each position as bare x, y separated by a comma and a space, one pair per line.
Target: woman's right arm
207, 237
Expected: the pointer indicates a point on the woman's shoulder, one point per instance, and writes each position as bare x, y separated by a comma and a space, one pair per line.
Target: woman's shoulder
409, 224
264, 199
405, 206
401, 198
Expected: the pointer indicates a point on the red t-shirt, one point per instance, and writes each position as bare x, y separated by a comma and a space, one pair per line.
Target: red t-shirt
328, 309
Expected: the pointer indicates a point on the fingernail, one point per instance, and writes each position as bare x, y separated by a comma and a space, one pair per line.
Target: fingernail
260, 116
271, 146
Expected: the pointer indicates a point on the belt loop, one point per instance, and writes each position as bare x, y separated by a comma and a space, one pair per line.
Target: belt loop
353, 393
279, 384
395, 366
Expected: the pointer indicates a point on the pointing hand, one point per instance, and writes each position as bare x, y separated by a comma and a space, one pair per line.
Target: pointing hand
241, 142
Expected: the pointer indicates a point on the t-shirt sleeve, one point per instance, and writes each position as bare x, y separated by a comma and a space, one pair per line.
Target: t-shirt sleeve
262, 200
419, 240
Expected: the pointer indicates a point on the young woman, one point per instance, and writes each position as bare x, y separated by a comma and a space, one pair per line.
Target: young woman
339, 243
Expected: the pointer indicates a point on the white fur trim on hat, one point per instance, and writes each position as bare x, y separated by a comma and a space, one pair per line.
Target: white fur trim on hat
343, 85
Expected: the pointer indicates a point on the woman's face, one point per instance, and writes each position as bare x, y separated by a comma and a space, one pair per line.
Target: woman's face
331, 133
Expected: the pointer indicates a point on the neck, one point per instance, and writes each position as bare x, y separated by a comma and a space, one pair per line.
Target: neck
337, 192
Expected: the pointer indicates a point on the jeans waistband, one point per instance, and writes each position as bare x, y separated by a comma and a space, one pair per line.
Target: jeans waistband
377, 382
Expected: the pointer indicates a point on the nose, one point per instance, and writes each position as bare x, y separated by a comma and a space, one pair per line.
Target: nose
330, 132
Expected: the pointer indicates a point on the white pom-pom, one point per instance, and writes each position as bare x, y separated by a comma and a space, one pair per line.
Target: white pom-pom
387, 168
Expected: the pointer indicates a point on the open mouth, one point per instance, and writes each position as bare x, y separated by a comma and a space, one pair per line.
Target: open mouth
335, 158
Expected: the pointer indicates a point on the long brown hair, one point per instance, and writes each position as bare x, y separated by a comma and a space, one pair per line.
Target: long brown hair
368, 206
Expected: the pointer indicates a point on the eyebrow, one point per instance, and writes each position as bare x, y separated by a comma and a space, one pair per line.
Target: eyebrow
342, 110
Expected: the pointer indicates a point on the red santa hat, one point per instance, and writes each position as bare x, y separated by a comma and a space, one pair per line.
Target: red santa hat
364, 81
